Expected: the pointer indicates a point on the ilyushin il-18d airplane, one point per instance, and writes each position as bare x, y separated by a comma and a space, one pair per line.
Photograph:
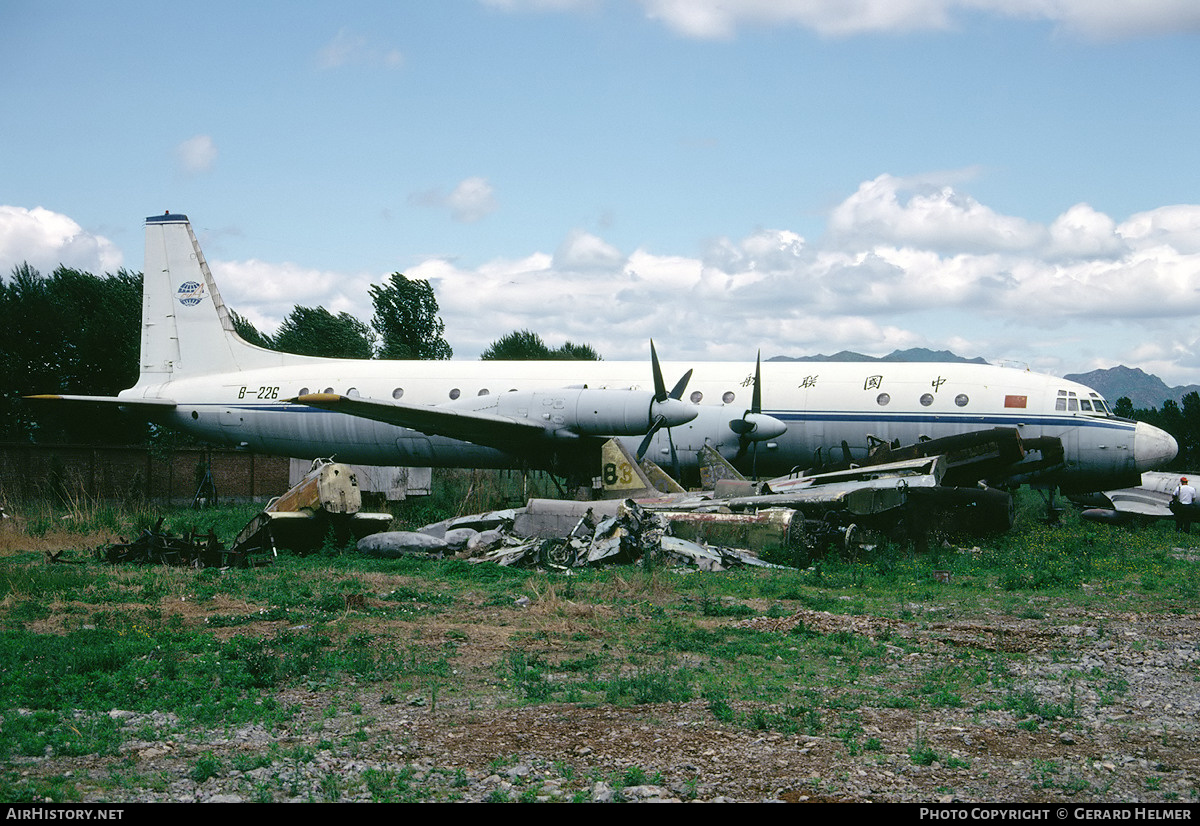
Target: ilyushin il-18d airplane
199, 376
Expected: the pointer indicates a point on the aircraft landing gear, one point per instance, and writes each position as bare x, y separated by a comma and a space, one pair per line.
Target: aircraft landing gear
1053, 512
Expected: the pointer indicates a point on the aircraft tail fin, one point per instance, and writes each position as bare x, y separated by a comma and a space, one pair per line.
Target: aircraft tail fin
186, 328
715, 468
624, 477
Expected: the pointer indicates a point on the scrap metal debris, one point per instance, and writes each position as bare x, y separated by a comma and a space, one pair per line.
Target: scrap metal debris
600, 533
158, 547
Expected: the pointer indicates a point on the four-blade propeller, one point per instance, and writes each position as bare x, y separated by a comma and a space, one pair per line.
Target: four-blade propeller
755, 426
667, 409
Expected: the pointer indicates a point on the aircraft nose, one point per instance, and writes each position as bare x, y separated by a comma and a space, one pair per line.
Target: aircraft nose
1152, 447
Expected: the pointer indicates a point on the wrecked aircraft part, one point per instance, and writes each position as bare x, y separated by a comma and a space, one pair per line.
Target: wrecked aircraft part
480, 522
1109, 516
559, 553
630, 535
999, 453
459, 538
921, 472
714, 469
976, 511
395, 544
704, 558
485, 541
154, 547
547, 518
326, 499
773, 529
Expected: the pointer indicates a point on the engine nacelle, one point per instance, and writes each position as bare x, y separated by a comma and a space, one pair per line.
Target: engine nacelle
590, 412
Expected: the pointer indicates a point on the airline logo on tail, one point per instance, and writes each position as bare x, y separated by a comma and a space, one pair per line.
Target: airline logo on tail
190, 293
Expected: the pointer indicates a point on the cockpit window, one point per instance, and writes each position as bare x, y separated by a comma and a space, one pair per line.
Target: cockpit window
1074, 402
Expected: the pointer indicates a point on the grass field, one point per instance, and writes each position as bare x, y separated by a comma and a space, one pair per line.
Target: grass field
96, 661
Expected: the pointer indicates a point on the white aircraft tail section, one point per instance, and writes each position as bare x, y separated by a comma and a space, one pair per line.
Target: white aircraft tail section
186, 328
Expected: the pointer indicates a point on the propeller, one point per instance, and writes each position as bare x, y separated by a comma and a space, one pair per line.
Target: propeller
667, 409
754, 426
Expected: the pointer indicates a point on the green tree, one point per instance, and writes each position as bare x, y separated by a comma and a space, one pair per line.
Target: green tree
1189, 432
71, 332
571, 351
519, 345
314, 331
248, 332
526, 345
1124, 408
406, 320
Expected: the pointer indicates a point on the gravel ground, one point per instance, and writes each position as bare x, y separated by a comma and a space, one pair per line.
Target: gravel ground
1129, 680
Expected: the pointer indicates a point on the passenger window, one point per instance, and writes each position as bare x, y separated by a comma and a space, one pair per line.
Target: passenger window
728, 397
962, 399
398, 392
455, 393
882, 399
926, 399
484, 392
696, 396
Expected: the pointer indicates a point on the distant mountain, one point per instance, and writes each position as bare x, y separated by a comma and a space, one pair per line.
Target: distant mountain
915, 354
1144, 389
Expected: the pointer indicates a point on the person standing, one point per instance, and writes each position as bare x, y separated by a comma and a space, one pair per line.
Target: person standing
1183, 505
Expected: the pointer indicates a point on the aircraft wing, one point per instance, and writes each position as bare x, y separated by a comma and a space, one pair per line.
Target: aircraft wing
500, 432
1151, 498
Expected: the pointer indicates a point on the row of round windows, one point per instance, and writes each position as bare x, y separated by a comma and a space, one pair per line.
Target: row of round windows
727, 397
962, 399
883, 399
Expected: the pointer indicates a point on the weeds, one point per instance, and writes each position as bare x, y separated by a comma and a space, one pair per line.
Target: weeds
77, 642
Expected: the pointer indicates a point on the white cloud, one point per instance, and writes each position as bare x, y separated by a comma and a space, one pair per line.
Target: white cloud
46, 239
581, 251
1083, 232
1177, 227
904, 263
349, 48
936, 269
721, 18
197, 154
932, 216
473, 199
266, 292
711, 19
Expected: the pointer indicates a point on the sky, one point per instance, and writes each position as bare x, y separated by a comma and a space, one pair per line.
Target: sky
1012, 179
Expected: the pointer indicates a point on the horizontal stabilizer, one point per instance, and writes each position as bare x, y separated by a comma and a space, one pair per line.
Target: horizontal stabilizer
145, 404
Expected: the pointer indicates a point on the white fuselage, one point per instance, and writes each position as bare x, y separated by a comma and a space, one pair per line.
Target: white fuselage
198, 375
823, 405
